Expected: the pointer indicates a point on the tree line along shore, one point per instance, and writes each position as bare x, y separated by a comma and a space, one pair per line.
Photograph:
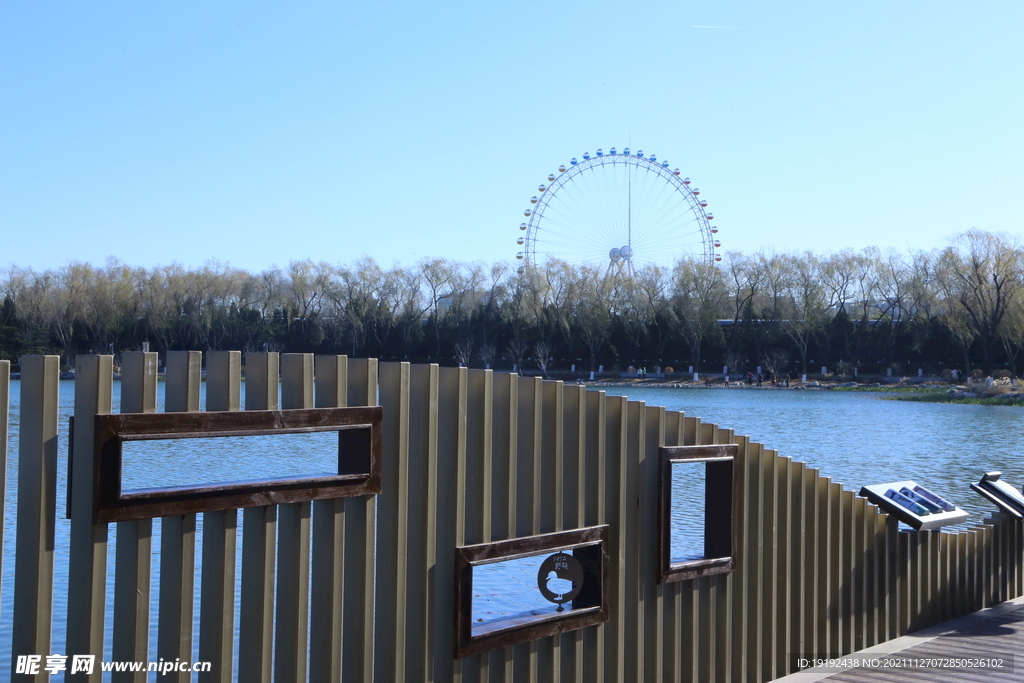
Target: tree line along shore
959, 307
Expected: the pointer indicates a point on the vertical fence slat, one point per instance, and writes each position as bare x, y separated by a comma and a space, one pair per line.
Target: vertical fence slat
724, 587
528, 497
262, 371
330, 381
616, 494
357, 620
650, 593
5, 399
867, 560
36, 512
858, 567
474, 476
798, 609
389, 633
808, 563
220, 538
823, 558
837, 613
224, 380
552, 458
741, 623
178, 532
217, 595
704, 595
256, 608
291, 615
88, 551
133, 562
450, 493
877, 597
671, 662
945, 554
753, 556
594, 512
419, 519
527, 493
573, 513
783, 564
769, 586
291, 618
631, 547
1017, 553
259, 540
847, 581
504, 449
549, 461
884, 585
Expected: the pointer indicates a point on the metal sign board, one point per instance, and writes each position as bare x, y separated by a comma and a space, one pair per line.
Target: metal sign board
1005, 497
914, 505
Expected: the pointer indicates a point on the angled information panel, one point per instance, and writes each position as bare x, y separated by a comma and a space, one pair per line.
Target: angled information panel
914, 505
358, 471
1005, 497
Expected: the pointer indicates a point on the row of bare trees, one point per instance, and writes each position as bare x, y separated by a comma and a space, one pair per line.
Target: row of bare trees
960, 305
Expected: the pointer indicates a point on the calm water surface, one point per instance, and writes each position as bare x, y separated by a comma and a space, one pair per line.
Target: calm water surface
854, 437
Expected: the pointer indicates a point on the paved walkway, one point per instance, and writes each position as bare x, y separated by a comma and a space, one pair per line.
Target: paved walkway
994, 633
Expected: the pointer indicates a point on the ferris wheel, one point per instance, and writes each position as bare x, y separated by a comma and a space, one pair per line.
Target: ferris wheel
617, 209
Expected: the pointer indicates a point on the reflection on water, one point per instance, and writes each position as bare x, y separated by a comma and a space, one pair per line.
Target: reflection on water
191, 462
505, 594
688, 496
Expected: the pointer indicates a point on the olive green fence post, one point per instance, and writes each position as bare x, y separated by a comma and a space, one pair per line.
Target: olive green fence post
178, 532
220, 538
259, 540
88, 551
134, 545
37, 490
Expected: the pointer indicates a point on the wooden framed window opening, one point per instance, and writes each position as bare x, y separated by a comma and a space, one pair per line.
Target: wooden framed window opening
588, 545
359, 460
721, 511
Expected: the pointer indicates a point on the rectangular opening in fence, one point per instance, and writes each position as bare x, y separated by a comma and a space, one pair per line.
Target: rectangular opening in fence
523, 589
698, 499
160, 463
242, 437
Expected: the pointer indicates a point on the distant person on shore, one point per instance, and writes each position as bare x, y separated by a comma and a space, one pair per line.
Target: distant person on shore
750, 378
760, 378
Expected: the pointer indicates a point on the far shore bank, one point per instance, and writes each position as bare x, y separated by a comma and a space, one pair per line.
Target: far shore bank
999, 393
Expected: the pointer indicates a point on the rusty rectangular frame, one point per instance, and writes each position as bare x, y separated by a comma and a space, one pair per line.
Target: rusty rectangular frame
721, 511
468, 557
359, 460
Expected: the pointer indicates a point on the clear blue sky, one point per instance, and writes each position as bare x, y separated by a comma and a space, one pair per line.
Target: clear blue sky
257, 133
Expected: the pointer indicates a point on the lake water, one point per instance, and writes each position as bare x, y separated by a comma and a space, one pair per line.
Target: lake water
854, 437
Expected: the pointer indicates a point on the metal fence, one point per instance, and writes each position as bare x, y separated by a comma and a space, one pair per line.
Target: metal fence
363, 588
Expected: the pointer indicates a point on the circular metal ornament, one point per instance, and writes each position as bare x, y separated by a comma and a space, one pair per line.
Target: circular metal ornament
560, 578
